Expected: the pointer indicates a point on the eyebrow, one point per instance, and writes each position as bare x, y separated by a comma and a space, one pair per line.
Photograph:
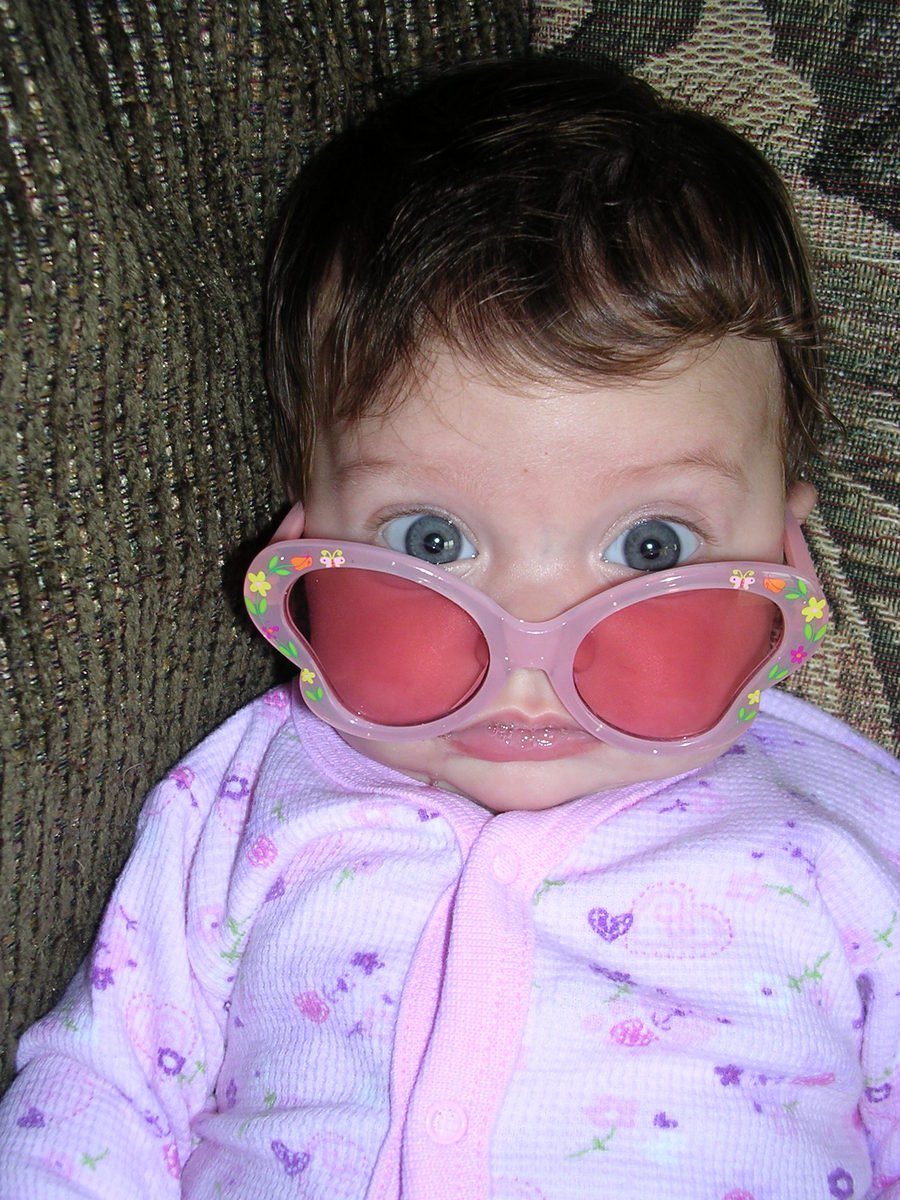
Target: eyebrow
705, 459
358, 470
355, 470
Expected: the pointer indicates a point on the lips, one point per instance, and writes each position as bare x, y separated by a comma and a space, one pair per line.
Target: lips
515, 737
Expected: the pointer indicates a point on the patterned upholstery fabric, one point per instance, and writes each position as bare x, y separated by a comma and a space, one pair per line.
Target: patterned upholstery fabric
144, 151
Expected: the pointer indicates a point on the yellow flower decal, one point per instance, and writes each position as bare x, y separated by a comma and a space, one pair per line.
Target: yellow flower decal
814, 610
753, 697
307, 676
259, 583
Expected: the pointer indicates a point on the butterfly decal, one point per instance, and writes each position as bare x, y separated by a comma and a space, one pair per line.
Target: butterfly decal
741, 580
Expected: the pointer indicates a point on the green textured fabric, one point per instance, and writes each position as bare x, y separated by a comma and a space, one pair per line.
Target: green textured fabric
145, 149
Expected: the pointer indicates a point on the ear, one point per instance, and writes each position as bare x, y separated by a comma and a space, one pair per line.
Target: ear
291, 528
801, 499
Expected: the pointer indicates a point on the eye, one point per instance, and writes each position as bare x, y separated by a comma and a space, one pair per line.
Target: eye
429, 537
652, 545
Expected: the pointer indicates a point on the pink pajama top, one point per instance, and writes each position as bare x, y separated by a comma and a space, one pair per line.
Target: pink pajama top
317, 978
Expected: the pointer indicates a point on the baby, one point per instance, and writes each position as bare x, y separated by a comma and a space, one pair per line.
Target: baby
527, 887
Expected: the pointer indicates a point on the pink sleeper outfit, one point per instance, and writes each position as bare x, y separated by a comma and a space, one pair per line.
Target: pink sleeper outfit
317, 978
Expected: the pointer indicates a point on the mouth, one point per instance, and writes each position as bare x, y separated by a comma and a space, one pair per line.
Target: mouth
514, 737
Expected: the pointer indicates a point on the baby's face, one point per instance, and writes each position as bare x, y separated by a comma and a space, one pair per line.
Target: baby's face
531, 493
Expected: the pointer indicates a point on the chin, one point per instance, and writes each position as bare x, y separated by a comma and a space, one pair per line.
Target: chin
522, 786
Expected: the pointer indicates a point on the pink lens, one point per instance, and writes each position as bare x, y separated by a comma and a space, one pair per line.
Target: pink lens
392, 651
670, 666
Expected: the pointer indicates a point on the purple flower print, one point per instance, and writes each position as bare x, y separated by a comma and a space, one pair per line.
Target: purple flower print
102, 978
840, 1184
276, 890
155, 1123
130, 922
661, 1121
730, 1075
425, 814
33, 1119
613, 976
234, 788
294, 1162
875, 1095
170, 1062
231, 1094
678, 805
367, 963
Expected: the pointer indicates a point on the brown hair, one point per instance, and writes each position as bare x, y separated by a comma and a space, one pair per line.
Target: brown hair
548, 218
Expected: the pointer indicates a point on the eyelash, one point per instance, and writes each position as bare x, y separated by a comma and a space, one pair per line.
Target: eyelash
695, 528
374, 527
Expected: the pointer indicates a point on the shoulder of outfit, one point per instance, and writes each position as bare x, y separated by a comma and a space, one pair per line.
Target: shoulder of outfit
317, 973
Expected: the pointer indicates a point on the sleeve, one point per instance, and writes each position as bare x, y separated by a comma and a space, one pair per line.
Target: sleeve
111, 1079
879, 1108
859, 784
875, 941
861, 884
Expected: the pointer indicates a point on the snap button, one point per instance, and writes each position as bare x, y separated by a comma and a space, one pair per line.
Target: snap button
505, 865
446, 1122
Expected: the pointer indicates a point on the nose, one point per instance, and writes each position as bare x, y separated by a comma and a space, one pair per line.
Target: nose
530, 691
540, 589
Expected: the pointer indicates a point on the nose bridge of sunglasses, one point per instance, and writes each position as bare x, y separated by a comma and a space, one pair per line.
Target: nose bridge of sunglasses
533, 647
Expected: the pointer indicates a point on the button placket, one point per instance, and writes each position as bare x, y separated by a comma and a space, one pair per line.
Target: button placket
481, 1014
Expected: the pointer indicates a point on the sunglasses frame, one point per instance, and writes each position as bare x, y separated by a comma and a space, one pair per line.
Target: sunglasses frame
548, 646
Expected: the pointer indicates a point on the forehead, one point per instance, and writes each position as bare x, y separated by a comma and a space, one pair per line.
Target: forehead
722, 403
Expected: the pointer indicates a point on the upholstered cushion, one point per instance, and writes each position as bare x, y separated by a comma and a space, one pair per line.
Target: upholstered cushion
144, 156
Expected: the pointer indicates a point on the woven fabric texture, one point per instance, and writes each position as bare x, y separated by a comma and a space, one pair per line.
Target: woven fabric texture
145, 149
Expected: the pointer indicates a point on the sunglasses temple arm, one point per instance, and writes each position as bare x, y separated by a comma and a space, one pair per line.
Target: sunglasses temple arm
796, 551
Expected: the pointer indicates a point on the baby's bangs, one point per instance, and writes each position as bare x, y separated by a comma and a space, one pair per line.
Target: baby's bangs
614, 288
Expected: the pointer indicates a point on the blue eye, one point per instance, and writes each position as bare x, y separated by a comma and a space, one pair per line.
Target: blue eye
652, 545
427, 536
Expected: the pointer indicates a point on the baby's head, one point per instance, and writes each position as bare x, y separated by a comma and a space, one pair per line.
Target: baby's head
548, 334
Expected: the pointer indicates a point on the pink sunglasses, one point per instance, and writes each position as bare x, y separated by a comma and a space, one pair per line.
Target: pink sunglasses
394, 648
